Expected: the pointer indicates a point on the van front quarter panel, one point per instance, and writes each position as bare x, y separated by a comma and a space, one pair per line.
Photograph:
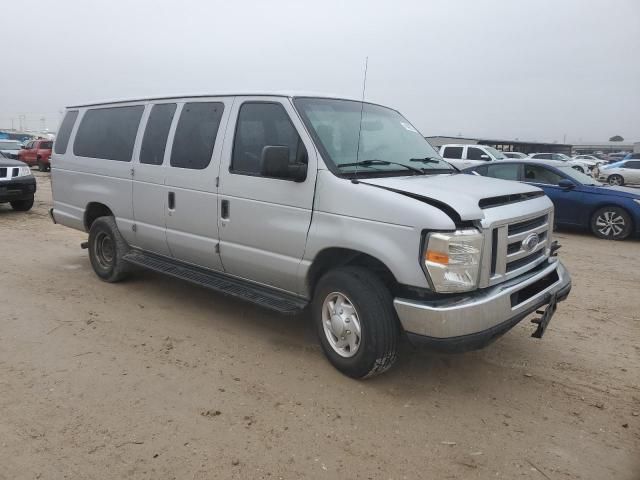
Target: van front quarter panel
385, 225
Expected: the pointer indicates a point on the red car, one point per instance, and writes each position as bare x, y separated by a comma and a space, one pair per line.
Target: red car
37, 152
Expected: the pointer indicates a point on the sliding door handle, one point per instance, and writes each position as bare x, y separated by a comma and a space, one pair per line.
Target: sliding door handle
171, 201
224, 209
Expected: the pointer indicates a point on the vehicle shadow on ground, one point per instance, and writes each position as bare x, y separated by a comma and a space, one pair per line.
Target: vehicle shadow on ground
296, 333
582, 232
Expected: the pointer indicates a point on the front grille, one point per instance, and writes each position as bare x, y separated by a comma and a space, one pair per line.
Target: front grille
7, 172
514, 249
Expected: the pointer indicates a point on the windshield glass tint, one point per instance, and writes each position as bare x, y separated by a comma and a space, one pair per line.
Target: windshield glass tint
386, 135
497, 154
579, 176
9, 146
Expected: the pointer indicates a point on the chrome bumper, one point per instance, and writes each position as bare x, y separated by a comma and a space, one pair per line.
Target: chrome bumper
495, 309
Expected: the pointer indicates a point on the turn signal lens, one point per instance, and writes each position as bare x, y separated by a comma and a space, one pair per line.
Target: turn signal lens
437, 257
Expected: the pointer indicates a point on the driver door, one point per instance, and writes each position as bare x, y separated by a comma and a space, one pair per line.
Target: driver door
568, 203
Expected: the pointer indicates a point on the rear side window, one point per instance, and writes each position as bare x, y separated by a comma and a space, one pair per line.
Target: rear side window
452, 152
46, 145
64, 132
474, 153
259, 125
108, 133
505, 172
196, 135
156, 133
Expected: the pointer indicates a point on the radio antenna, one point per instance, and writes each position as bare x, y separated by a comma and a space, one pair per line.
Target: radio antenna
364, 87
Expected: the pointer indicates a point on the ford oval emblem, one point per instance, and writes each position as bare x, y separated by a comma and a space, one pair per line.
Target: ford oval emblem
530, 242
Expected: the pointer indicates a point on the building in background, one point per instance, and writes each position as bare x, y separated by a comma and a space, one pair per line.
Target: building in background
602, 147
504, 145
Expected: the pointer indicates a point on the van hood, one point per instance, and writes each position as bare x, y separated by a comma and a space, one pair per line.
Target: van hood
465, 195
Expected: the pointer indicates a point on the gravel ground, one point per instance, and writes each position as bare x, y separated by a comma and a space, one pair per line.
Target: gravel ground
154, 378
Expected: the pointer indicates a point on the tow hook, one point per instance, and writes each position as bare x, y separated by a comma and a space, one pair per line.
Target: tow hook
555, 246
84, 245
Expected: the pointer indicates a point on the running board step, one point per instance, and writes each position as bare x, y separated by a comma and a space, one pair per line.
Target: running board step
258, 294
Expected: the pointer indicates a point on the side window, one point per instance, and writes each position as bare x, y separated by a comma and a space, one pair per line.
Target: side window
542, 156
156, 132
108, 133
505, 172
45, 145
196, 135
474, 153
64, 132
538, 174
259, 125
452, 152
633, 164
481, 170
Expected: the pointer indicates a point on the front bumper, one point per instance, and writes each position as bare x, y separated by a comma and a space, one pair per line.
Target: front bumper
20, 188
471, 321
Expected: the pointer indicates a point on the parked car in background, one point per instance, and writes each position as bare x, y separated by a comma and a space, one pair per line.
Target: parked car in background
374, 241
580, 201
632, 156
620, 173
37, 152
10, 148
616, 157
17, 184
463, 156
578, 165
589, 160
518, 155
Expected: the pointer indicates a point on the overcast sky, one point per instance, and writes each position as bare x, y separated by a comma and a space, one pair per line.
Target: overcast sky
528, 69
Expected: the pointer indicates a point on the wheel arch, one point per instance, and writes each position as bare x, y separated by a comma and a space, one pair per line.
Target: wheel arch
334, 257
93, 211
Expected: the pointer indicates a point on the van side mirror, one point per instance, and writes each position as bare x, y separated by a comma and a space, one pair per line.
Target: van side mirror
566, 184
275, 164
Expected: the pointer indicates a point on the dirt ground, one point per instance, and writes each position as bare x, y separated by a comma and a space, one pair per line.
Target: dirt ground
154, 378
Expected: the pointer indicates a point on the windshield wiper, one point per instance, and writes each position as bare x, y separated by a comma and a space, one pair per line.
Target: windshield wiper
371, 163
425, 160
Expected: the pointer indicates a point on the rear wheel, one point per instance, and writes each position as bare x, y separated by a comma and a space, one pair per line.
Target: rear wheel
22, 205
616, 180
107, 249
356, 322
611, 223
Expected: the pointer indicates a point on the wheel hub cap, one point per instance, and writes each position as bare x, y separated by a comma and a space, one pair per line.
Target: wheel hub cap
341, 324
610, 224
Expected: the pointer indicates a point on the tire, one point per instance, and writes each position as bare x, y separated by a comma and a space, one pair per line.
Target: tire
373, 314
22, 205
107, 249
611, 223
615, 180
41, 167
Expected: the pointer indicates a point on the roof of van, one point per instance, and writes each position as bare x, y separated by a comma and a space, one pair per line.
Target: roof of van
224, 94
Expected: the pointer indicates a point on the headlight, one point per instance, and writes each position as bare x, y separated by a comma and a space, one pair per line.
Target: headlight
452, 259
24, 171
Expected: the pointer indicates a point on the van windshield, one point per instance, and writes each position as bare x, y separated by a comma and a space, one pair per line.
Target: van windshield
386, 143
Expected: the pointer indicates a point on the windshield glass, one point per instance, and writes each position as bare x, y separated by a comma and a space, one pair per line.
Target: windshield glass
579, 176
386, 138
497, 154
9, 145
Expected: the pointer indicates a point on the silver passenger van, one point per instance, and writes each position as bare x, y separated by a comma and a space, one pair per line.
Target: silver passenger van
329, 206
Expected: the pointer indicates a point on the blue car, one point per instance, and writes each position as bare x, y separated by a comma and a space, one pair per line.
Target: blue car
609, 212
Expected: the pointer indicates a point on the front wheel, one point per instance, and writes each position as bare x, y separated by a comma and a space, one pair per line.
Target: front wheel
22, 205
616, 180
107, 249
611, 223
356, 322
